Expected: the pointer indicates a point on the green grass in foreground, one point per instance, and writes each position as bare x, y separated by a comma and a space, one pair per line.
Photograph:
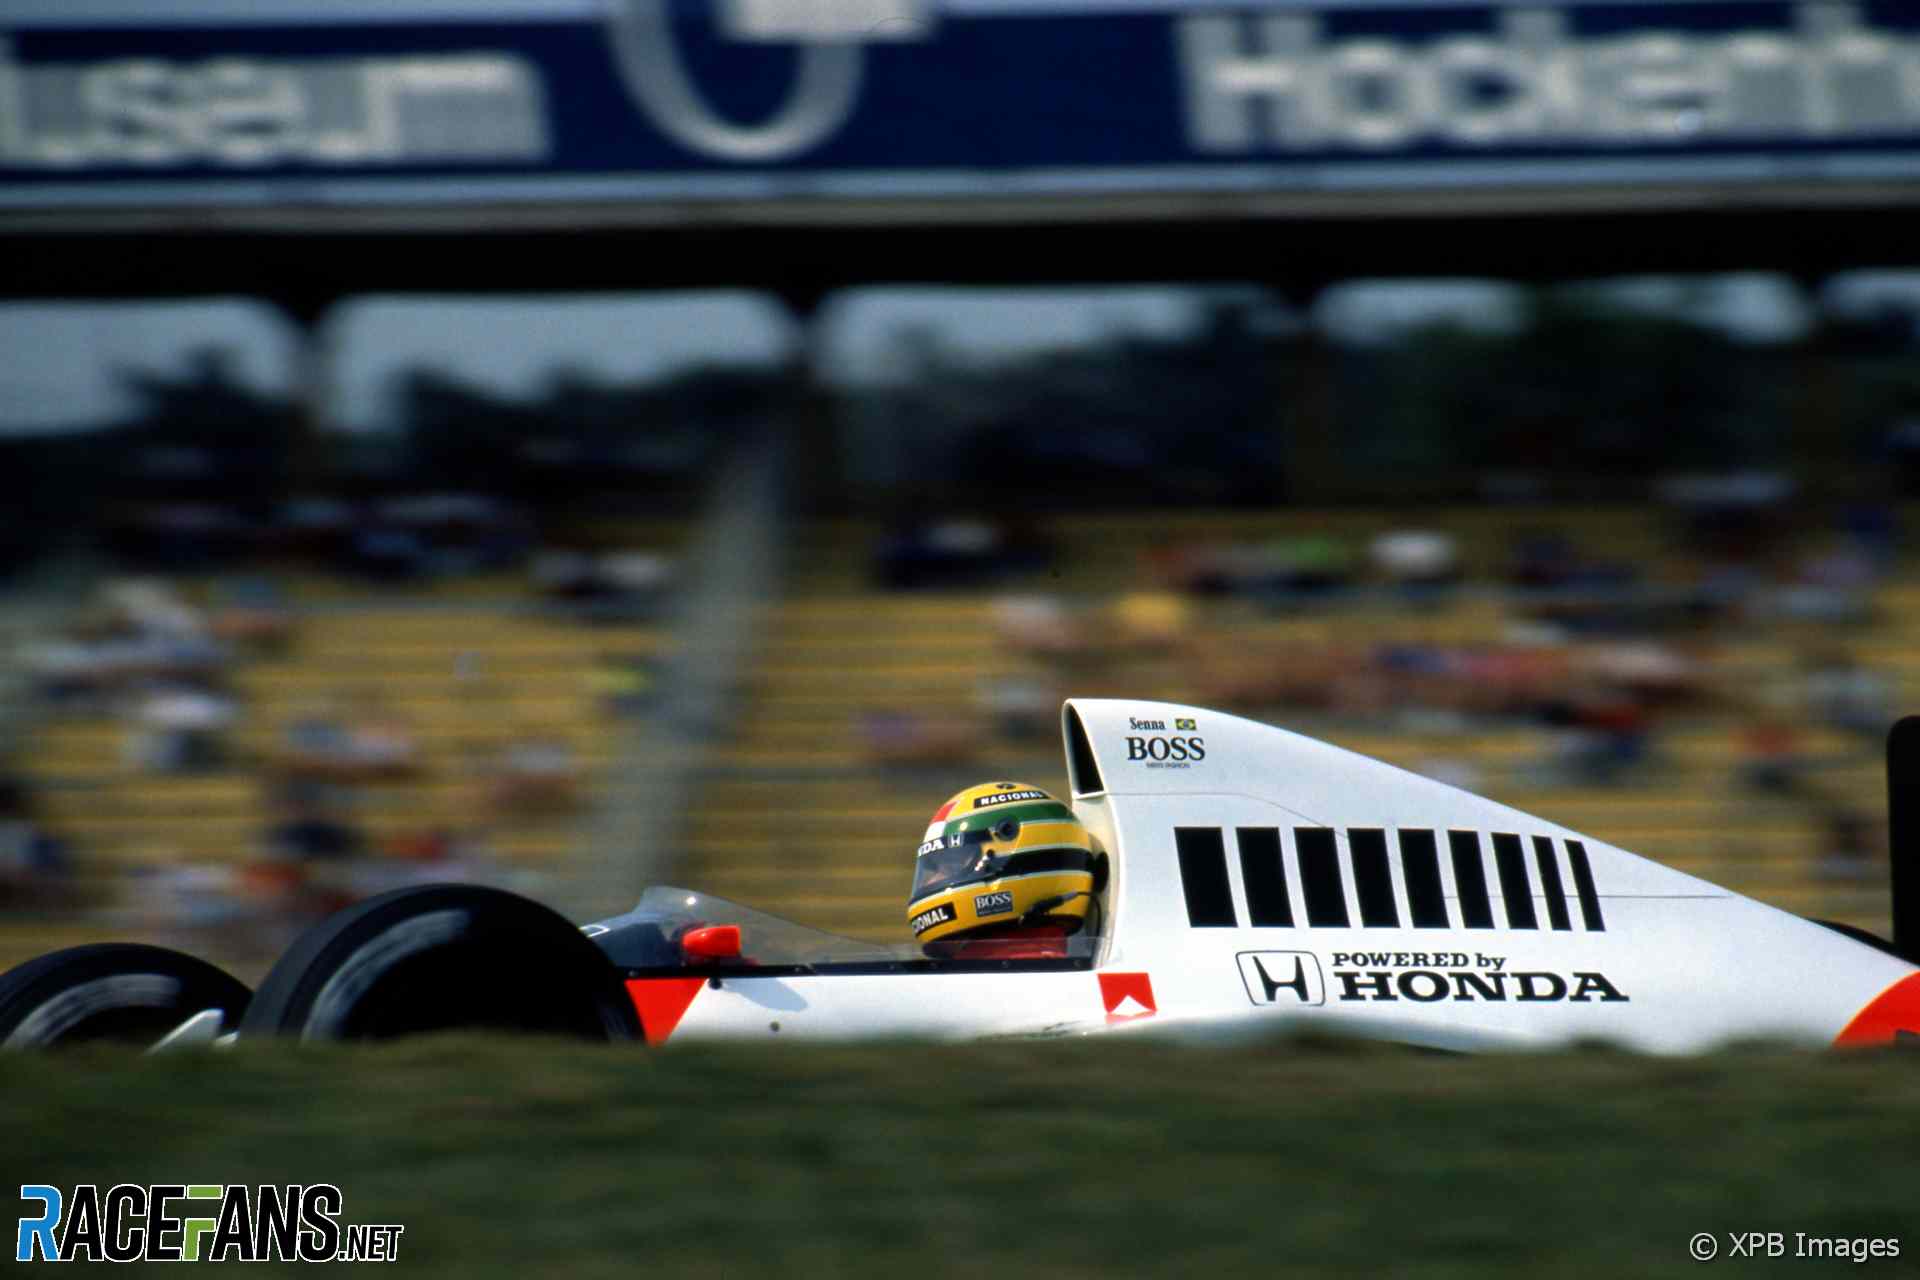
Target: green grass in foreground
1079, 1158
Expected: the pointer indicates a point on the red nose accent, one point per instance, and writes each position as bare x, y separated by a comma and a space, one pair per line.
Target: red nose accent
661, 1003
1895, 1010
715, 942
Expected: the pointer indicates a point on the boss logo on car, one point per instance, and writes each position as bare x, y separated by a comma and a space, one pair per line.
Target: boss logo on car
993, 904
1166, 753
931, 917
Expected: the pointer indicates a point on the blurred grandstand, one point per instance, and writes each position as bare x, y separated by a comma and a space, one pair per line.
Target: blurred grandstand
1626, 551
299, 685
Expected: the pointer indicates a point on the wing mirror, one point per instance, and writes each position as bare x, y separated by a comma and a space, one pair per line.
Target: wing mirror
712, 943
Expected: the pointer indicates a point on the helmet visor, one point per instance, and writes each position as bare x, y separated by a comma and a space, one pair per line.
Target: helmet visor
961, 858
951, 860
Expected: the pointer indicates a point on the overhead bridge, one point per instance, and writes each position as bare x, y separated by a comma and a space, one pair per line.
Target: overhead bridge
808, 145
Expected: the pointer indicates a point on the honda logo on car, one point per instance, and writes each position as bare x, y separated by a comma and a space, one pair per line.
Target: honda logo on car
1268, 973
1426, 977
1171, 752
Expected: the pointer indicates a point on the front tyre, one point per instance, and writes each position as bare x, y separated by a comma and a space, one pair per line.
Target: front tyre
115, 991
443, 958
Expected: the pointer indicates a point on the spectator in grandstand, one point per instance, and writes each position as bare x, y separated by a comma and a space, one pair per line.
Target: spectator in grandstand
455, 533
623, 684
1734, 516
1655, 674
140, 632
1417, 678
1842, 694
1771, 759
35, 868
67, 675
1831, 584
380, 744
308, 827
375, 745
1541, 560
1150, 622
432, 844
955, 552
1040, 626
534, 773
1420, 564
1852, 846
180, 730
313, 741
251, 614
152, 607
1309, 565
1022, 708
619, 587
910, 739
1279, 572
1601, 734
1547, 560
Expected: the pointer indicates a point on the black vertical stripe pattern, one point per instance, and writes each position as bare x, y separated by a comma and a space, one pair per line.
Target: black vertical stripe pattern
1372, 880
1583, 881
1265, 876
1426, 892
1550, 883
1510, 859
1470, 878
1203, 877
1320, 876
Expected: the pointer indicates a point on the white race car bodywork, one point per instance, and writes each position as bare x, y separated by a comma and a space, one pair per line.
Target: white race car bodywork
1261, 879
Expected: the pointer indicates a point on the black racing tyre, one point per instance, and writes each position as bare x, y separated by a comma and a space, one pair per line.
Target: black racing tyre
442, 958
117, 991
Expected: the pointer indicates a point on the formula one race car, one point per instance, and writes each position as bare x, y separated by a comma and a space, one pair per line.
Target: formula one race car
1258, 879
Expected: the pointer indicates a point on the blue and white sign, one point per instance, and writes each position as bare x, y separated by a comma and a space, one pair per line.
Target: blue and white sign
102, 102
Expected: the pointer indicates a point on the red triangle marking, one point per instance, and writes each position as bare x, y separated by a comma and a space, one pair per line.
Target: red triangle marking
1894, 1010
1116, 987
661, 1003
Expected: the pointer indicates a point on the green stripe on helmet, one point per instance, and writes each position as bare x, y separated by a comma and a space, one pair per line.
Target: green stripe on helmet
1032, 811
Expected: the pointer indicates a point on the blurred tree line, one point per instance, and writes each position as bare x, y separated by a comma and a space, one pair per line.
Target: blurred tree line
202, 440
1583, 398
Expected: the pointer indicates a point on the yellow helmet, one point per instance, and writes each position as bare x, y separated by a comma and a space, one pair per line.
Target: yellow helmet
998, 854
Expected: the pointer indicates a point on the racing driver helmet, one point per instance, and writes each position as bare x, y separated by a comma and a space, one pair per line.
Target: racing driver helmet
997, 856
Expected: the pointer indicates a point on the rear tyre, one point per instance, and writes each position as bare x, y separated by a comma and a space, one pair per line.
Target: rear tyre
443, 958
114, 991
